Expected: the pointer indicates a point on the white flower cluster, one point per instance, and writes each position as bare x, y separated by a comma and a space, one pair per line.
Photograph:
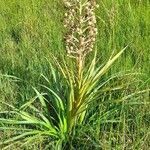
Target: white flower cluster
80, 22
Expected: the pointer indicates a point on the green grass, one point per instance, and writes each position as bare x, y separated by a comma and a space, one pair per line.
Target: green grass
30, 31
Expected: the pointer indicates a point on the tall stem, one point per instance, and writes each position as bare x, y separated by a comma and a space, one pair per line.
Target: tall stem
80, 21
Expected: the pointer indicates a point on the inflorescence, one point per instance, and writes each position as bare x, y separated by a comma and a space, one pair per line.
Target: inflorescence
80, 22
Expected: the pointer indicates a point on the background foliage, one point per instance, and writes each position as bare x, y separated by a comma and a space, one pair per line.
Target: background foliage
31, 30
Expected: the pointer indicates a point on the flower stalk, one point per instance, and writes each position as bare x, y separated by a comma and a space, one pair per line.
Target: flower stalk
80, 23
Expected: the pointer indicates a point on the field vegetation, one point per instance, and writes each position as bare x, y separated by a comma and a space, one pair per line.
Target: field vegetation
51, 98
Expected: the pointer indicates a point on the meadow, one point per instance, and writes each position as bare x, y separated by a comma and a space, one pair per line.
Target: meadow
32, 49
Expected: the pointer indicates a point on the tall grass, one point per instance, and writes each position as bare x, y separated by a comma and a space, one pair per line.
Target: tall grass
117, 118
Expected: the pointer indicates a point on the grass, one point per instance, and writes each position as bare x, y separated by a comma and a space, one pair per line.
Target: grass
31, 31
